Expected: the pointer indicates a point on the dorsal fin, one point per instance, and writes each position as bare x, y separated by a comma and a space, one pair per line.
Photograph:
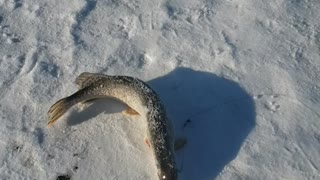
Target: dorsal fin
86, 78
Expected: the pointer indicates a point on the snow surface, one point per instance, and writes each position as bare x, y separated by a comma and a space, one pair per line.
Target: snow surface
240, 80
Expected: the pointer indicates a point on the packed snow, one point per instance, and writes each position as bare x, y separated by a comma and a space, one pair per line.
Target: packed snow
240, 80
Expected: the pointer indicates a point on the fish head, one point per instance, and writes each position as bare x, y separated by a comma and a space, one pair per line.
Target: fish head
168, 174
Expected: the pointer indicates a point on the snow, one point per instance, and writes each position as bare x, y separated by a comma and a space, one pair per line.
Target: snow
240, 80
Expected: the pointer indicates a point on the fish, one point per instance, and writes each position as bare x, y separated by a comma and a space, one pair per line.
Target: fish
141, 100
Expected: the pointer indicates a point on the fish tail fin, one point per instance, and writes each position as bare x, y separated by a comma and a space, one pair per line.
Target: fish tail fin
57, 110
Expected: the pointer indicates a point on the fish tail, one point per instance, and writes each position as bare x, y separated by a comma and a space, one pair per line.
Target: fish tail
57, 110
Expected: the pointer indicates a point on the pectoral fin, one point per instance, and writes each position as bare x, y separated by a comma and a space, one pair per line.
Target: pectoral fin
130, 111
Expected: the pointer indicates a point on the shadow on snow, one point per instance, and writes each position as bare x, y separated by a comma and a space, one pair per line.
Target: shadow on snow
215, 115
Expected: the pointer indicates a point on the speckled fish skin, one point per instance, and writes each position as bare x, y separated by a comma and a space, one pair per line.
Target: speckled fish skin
140, 97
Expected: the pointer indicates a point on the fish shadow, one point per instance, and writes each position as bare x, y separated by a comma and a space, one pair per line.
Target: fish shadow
214, 114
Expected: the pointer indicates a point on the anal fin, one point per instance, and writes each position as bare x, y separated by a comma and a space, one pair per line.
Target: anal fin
146, 140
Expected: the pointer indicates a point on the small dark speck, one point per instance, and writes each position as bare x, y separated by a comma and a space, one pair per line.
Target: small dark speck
187, 122
15, 40
75, 154
259, 96
64, 177
75, 168
17, 148
50, 156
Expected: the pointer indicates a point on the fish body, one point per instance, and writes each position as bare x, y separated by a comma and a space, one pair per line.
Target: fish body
138, 96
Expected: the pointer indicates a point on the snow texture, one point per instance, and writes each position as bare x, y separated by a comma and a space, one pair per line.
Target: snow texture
240, 80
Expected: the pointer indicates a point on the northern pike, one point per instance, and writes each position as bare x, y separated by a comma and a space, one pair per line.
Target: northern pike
141, 99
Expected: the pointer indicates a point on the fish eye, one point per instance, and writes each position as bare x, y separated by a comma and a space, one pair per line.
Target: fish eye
163, 177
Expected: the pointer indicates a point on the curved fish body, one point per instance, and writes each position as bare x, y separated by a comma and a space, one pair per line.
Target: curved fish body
138, 96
